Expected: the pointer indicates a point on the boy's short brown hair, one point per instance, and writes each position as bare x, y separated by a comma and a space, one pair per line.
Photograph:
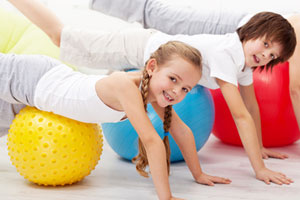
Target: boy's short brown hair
273, 27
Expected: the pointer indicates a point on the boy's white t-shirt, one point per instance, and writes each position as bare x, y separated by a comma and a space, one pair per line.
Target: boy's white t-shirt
222, 56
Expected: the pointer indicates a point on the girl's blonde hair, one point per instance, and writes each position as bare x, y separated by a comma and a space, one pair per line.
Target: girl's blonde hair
163, 54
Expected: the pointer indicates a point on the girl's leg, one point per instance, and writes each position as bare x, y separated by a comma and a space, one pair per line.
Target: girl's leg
171, 18
7, 114
19, 75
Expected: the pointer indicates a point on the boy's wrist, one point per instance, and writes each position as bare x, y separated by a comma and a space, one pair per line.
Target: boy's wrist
257, 169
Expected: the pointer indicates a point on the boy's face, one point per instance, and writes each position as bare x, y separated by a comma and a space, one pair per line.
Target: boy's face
259, 52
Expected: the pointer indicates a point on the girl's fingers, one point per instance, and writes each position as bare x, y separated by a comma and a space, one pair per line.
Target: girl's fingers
282, 174
280, 179
221, 180
210, 183
267, 181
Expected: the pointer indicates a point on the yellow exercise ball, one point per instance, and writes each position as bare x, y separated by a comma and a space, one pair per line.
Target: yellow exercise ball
49, 149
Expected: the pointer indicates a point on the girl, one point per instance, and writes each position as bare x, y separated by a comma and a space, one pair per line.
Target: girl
171, 72
273, 42
168, 18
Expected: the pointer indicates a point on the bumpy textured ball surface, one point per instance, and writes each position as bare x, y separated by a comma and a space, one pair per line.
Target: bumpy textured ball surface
48, 149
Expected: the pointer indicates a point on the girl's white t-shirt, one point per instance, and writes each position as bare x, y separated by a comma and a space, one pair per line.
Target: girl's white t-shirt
72, 94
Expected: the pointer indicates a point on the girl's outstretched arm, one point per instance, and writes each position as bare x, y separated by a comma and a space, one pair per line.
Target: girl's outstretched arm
41, 16
248, 95
247, 131
118, 89
184, 138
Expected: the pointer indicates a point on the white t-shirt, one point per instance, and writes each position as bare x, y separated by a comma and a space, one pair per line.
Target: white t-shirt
73, 94
222, 56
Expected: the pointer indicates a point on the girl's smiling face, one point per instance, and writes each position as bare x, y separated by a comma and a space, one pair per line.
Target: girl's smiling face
171, 81
259, 52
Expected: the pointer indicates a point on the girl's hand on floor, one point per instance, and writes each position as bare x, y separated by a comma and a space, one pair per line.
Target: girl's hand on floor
266, 153
211, 180
269, 176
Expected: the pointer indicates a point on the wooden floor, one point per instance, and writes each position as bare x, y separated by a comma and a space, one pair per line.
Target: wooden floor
115, 178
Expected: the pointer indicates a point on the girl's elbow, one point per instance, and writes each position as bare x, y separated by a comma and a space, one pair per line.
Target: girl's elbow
151, 141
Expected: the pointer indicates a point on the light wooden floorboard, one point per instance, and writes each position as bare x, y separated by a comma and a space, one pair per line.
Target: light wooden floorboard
115, 178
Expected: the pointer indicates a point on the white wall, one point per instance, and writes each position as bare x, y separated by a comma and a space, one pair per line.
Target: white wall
76, 13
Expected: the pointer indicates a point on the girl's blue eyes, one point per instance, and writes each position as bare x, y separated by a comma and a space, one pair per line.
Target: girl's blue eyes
185, 90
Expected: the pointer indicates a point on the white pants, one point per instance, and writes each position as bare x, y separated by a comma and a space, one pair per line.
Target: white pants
19, 75
104, 50
171, 18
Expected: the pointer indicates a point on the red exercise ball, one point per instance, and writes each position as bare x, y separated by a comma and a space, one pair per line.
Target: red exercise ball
278, 121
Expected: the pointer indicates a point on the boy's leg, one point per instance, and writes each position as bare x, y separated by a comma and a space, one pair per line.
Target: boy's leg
104, 50
171, 18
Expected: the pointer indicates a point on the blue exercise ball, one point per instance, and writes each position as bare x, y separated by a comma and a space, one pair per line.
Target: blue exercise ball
196, 110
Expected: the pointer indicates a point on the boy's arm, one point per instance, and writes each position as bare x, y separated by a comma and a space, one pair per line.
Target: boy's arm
247, 131
184, 138
41, 16
248, 95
